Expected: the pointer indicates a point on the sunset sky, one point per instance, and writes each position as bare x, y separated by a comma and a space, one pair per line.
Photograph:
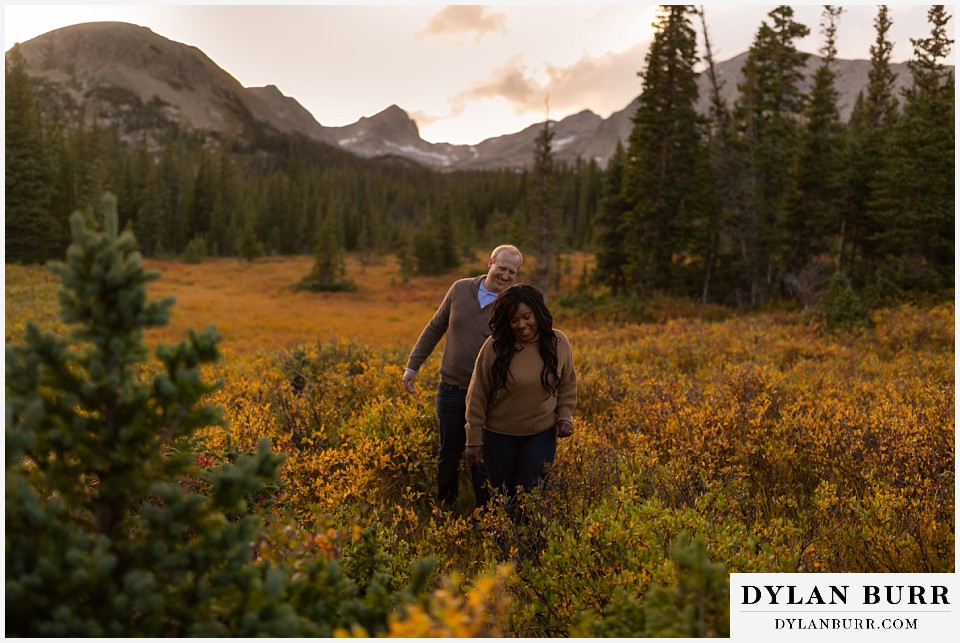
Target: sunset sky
464, 73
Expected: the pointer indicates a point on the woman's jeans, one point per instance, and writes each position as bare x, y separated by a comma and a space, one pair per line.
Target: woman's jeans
518, 460
451, 416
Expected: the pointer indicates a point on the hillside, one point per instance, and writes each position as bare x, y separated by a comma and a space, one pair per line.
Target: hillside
123, 74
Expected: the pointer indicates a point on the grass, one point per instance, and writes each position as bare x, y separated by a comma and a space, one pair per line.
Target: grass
255, 306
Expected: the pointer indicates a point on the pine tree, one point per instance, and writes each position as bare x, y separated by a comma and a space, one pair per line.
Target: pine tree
609, 226
95, 529
175, 167
590, 199
224, 228
279, 212
63, 200
206, 205
541, 201
151, 220
915, 189
404, 244
31, 232
767, 117
447, 252
137, 165
426, 246
871, 123
663, 154
249, 245
721, 167
98, 153
103, 539
329, 262
882, 105
434, 250
196, 250
840, 307
812, 212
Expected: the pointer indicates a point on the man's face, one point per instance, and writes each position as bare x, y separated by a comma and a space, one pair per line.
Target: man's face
502, 271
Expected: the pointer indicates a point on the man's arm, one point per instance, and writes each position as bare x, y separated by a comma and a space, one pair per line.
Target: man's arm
429, 338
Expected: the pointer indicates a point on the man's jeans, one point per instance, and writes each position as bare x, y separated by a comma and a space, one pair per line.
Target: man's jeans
451, 414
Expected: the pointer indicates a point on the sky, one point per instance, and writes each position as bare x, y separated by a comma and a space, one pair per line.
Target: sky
464, 73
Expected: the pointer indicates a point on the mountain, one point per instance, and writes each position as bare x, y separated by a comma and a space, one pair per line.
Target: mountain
291, 113
852, 78
126, 75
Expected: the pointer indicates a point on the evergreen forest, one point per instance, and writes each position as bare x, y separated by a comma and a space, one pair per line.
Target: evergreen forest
757, 202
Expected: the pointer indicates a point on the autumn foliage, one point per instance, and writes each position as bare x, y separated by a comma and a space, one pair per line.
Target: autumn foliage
754, 443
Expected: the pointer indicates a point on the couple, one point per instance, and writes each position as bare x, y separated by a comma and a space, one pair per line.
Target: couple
503, 397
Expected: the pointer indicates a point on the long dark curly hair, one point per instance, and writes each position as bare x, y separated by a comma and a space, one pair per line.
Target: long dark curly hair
505, 345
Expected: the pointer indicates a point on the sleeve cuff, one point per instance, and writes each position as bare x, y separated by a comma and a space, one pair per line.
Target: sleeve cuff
474, 436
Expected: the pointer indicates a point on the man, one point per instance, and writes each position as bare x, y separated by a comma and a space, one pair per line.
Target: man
464, 316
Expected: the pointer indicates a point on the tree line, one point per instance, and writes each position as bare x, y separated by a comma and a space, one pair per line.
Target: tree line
768, 198
265, 192
754, 202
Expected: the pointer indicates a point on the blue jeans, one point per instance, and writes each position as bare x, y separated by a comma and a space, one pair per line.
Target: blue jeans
451, 416
518, 460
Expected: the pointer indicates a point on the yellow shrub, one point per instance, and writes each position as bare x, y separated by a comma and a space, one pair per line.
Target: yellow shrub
779, 446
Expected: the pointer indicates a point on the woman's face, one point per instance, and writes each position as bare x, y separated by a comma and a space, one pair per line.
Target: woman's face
523, 323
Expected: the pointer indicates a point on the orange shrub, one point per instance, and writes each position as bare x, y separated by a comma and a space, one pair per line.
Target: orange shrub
774, 445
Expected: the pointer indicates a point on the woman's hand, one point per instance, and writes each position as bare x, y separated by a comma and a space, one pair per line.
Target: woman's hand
474, 456
564, 428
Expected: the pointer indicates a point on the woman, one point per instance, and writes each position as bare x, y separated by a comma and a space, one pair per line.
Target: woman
522, 394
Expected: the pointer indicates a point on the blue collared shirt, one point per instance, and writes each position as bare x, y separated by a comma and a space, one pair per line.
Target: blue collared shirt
485, 296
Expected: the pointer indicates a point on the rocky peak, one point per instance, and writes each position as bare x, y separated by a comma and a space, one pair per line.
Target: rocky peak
292, 113
110, 71
394, 123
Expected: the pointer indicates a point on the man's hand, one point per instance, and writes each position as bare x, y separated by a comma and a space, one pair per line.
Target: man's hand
564, 428
409, 377
474, 456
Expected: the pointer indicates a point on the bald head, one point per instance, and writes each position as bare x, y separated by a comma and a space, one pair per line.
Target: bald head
503, 267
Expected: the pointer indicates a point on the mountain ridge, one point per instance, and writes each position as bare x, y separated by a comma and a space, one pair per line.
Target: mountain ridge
122, 73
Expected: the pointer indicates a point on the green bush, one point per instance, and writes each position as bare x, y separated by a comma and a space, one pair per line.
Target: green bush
696, 605
312, 284
102, 536
840, 306
600, 307
196, 250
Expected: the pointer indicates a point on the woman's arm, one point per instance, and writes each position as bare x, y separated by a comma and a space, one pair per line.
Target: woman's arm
478, 394
567, 389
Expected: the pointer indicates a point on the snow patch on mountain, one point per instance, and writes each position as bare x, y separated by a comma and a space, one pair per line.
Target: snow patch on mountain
410, 150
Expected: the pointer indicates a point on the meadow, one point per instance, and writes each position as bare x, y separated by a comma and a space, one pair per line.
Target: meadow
705, 444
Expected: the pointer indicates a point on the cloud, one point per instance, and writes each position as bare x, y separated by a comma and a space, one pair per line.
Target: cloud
426, 119
604, 84
461, 19
510, 82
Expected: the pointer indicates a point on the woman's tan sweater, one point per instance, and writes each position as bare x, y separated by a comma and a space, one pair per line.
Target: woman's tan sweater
523, 407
